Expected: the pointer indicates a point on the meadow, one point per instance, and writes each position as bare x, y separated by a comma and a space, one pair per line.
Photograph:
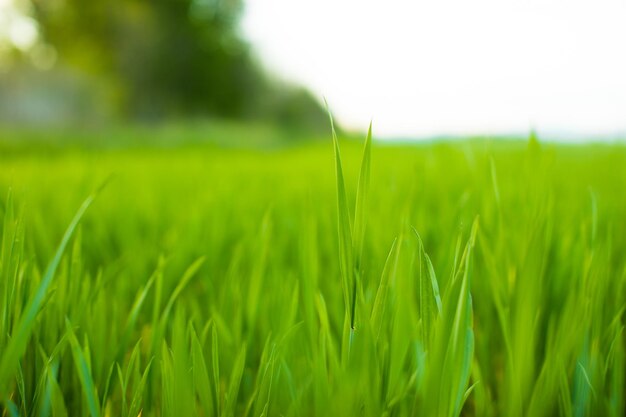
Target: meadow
331, 278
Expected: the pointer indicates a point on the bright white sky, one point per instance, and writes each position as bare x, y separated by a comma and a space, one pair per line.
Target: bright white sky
434, 67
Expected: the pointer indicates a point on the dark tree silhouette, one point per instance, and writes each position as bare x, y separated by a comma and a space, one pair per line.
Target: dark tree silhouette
169, 57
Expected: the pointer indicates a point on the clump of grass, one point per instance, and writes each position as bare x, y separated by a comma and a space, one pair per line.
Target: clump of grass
189, 289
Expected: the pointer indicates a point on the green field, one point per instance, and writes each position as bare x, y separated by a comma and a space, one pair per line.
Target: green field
474, 278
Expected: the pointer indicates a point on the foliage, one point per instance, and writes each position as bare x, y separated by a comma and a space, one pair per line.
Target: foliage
446, 279
146, 60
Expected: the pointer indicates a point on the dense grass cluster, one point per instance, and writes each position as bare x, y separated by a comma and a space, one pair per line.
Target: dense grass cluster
474, 278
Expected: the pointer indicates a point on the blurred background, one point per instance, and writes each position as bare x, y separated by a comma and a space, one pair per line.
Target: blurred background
96, 63
419, 69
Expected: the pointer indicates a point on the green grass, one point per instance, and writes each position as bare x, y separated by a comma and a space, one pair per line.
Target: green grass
474, 278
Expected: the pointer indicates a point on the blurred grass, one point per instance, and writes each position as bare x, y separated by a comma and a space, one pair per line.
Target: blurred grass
222, 133
206, 279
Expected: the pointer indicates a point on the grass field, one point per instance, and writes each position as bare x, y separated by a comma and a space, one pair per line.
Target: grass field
474, 278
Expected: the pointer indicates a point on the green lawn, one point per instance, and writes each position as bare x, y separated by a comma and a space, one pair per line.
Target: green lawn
475, 278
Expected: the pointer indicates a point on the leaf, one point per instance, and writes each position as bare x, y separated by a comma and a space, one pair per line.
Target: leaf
187, 275
135, 405
430, 307
202, 384
235, 381
132, 317
345, 233
360, 212
380, 302
215, 358
84, 373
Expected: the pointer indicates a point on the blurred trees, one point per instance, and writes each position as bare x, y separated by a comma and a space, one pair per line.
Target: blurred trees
161, 58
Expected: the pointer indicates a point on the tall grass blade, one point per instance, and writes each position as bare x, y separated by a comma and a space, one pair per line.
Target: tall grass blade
380, 302
430, 307
345, 233
215, 359
201, 380
362, 199
235, 381
84, 373
135, 405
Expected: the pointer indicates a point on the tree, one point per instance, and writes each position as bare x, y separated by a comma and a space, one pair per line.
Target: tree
161, 57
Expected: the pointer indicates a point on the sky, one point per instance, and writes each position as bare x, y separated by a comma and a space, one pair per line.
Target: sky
426, 68
14, 26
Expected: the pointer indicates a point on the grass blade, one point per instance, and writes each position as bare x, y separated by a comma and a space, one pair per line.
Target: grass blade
201, 380
345, 233
235, 381
380, 302
84, 373
360, 212
429, 299
215, 358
